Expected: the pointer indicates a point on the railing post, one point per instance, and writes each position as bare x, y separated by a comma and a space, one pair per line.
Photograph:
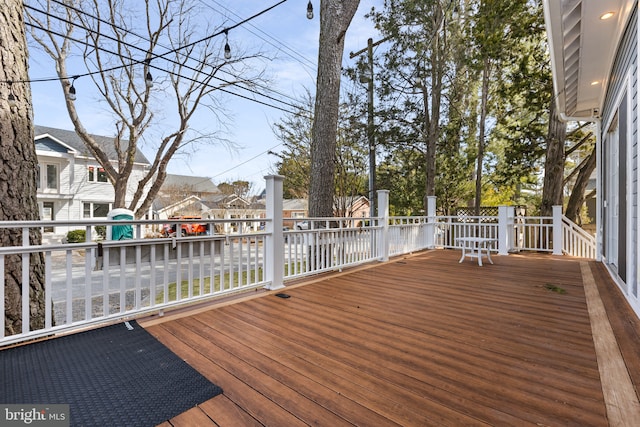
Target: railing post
503, 225
274, 250
557, 230
506, 217
431, 222
383, 216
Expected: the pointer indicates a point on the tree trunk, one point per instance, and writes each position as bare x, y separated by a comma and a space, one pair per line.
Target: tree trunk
18, 166
577, 198
437, 60
481, 135
335, 17
553, 163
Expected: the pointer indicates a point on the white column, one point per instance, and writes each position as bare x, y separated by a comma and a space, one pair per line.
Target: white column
274, 250
383, 218
600, 189
430, 228
557, 230
506, 215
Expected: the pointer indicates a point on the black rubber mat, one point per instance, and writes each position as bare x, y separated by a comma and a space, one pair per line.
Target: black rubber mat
118, 375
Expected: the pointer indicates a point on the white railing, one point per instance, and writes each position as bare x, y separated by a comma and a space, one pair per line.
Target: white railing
325, 245
449, 229
533, 233
97, 281
92, 282
407, 234
576, 241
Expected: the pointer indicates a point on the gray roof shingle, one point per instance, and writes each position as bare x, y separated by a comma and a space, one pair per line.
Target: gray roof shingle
72, 139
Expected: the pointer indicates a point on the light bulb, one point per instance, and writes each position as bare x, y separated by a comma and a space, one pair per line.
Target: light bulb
309, 10
227, 51
72, 93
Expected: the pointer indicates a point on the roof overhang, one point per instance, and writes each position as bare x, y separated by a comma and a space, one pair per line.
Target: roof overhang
56, 140
582, 47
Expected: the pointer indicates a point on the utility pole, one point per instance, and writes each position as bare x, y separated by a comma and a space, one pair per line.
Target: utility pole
370, 123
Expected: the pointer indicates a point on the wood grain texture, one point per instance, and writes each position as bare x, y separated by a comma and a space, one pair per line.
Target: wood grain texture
420, 340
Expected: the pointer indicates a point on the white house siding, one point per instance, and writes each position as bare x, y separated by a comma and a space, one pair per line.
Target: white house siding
74, 187
60, 197
622, 98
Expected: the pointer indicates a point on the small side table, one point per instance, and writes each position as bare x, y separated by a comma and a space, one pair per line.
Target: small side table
476, 247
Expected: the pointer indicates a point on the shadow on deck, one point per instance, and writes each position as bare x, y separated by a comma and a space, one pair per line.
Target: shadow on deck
421, 340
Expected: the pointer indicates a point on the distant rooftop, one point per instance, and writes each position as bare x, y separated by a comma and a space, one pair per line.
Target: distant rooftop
198, 184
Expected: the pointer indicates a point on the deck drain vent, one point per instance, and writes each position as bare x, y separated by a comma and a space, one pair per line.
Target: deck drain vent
283, 295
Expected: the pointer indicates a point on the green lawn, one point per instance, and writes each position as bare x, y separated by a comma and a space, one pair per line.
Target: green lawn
230, 281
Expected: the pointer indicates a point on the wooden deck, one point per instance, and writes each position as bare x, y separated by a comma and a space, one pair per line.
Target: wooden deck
418, 341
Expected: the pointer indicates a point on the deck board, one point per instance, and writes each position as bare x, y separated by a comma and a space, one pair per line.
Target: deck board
420, 340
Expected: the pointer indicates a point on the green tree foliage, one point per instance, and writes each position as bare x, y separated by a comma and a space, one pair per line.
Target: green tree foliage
523, 93
500, 32
239, 188
294, 131
414, 69
473, 76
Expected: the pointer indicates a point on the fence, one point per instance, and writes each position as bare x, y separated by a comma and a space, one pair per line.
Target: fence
98, 281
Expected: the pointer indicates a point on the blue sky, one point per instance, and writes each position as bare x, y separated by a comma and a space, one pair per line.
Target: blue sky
284, 33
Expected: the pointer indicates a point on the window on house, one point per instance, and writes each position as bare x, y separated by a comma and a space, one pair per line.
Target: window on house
52, 177
47, 176
97, 174
102, 175
95, 210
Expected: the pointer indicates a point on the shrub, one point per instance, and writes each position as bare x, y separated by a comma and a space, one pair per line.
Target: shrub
101, 230
76, 236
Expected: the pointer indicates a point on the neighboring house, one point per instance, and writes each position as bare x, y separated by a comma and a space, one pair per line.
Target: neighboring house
594, 56
183, 195
225, 206
199, 186
189, 206
71, 183
352, 207
294, 209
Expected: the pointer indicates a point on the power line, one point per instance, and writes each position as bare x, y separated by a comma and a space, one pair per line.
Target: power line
149, 64
294, 54
126, 30
247, 161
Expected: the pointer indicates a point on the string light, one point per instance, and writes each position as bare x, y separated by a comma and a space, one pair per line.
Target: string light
72, 95
148, 80
227, 48
309, 10
72, 90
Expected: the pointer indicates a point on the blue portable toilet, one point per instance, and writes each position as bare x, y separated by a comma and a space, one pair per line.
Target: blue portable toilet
120, 232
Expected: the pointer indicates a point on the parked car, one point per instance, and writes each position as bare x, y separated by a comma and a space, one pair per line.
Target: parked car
187, 229
302, 225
